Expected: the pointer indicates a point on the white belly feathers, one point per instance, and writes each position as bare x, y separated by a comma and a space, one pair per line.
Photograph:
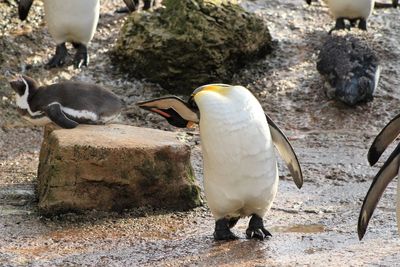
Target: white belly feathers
72, 20
350, 8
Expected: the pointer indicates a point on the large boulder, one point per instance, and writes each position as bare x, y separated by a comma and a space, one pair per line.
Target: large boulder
112, 168
190, 43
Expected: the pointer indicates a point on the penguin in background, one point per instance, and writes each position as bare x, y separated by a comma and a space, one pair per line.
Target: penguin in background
66, 104
237, 138
353, 11
73, 21
132, 5
389, 170
394, 4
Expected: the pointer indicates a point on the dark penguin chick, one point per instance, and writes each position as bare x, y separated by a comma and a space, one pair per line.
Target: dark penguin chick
350, 68
67, 104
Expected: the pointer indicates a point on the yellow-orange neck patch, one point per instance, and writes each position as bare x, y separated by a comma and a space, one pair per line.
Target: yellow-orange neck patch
220, 89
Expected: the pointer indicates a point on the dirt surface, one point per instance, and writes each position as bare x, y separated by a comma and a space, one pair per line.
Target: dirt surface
312, 226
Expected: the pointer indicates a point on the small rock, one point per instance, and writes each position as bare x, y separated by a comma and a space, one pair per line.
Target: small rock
112, 168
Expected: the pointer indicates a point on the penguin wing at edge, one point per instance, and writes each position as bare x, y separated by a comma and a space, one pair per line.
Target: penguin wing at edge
54, 112
386, 174
286, 151
383, 140
23, 8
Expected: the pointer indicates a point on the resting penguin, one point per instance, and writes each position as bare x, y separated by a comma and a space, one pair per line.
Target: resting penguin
350, 68
354, 10
67, 104
240, 167
385, 175
72, 21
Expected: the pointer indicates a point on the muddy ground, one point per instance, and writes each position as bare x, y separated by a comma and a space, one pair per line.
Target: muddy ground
313, 226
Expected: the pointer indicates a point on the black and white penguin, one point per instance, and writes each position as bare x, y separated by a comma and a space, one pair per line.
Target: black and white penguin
72, 21
67, 104
240, 166
389, 170
354, 10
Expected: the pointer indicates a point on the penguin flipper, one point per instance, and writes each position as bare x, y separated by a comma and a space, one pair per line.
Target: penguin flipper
286, 151
383, 140
386, 174
23, 8
54, 112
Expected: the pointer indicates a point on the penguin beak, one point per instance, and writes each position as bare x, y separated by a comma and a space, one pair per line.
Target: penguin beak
18, 85
177, 112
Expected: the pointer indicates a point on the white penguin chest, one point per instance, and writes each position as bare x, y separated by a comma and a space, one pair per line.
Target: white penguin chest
350, 8
72, 20
240, 168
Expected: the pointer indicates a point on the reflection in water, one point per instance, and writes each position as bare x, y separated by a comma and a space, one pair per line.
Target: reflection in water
298, 228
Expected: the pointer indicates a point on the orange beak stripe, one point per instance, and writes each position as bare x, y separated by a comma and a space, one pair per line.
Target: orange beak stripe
162, 113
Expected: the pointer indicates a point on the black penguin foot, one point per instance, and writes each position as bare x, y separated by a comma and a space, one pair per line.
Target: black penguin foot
122, 10
256, 228
59, 58
81, 57
353, 22
222, 231
340, 25
362, 25
147, 4
131, 5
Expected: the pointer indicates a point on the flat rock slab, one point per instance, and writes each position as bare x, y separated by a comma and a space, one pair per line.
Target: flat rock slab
114, 167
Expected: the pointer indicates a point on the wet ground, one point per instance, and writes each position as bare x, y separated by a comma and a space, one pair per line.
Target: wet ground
313, 226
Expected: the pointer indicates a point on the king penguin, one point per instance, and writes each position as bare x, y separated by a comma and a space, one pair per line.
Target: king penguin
385, 175
67, 104
240, 167
72, 21
354, 10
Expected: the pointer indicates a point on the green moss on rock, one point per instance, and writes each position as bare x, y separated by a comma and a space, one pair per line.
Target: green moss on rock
190, 43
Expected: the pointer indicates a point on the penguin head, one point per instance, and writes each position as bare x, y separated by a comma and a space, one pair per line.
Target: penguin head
180, 113
177, 112
25, 87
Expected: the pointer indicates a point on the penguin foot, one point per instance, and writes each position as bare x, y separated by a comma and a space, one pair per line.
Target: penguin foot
122, 10
222, 231
147, 4
131, 5
256, 228
362, 25
81, 57
340, 25
59, 58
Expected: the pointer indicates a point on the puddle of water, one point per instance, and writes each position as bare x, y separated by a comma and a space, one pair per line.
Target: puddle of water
299, 228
